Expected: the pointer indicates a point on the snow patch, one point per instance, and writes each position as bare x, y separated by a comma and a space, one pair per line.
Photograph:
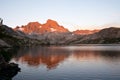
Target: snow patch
52, 29
72, 34
40, 26
21, 29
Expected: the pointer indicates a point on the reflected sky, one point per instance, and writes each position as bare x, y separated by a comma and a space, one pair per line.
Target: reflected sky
65, 63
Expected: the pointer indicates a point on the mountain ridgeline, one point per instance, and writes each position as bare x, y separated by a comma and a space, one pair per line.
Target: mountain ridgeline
51, 33
36, 27
105, 36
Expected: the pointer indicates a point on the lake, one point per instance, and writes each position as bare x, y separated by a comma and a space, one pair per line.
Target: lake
81, 62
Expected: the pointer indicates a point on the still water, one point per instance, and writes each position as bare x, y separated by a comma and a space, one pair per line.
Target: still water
97, 62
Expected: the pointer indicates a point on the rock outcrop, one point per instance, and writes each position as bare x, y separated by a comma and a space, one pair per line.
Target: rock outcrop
4, 44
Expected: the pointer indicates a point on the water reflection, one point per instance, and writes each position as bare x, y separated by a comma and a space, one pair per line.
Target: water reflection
88, 55
35, 56
51, 57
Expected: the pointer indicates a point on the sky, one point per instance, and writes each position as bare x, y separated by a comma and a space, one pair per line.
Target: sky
72, 14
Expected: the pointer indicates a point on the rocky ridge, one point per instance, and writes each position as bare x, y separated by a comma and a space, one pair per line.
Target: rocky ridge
10, 38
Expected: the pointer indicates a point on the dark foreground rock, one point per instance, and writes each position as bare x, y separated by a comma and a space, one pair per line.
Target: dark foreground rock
7, 70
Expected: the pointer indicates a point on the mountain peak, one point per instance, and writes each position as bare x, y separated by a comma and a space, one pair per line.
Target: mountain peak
36, 23
36, 27
51, 22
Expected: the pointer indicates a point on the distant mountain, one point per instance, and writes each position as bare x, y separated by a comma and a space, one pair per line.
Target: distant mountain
85, 32
104, 36
36, 27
